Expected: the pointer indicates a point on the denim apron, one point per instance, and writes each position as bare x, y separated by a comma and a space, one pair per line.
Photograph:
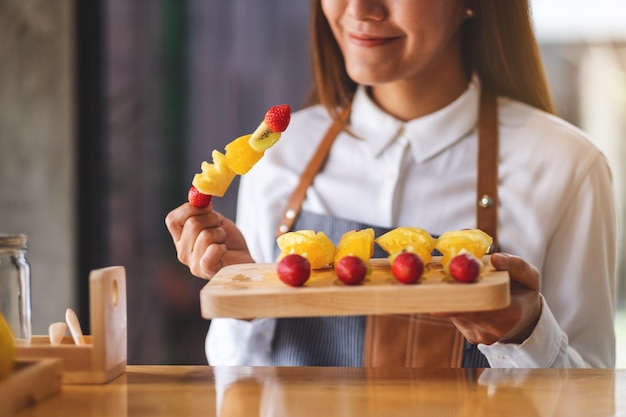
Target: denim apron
334, 341
340, 340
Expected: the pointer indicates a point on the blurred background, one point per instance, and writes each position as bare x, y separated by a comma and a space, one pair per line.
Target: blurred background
107, 108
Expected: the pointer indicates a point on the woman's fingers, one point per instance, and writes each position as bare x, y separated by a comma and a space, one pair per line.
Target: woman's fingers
198, 237
176, 219
514, 323
198, 234
174, 222
211, 260
205, 240
204, 231
519, 270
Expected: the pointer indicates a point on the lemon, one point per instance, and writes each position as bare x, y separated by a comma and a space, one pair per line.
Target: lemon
410, 239
7, 348
358, 243
240, 156
316, 247
475, 241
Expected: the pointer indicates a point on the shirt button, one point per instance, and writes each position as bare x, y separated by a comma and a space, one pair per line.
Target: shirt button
498, 358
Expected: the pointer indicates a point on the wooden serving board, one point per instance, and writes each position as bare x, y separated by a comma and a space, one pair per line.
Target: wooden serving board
254, 291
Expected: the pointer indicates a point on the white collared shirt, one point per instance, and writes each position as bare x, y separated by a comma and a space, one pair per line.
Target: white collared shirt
556, 211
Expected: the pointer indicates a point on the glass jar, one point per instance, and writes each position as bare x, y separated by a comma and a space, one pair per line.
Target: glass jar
15, 299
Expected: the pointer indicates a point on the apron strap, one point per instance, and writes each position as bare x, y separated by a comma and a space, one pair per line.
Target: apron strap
418, 340
294, 204
487, 178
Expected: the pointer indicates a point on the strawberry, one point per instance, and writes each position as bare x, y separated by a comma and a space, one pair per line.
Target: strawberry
277, 118
197, 199
269, 131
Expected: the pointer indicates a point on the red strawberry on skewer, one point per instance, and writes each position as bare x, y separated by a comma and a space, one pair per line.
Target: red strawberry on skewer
197, 199
267, 134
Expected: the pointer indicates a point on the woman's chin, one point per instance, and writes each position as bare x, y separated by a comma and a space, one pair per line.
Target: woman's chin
373, 73
368, 78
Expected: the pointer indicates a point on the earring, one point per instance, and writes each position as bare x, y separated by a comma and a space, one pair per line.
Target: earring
469, 13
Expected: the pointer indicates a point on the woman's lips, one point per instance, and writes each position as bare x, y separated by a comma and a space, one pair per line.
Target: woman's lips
369, 40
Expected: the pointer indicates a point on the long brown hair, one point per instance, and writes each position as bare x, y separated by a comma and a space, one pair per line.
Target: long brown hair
498, 44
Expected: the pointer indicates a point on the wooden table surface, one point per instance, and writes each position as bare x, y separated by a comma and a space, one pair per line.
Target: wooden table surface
265, 391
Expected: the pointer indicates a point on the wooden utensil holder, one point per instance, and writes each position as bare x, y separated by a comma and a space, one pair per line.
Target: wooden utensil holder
103, 356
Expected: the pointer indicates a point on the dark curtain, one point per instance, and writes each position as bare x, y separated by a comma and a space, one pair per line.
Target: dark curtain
164, 83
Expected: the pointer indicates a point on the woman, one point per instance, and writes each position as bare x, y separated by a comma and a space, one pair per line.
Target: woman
414, 77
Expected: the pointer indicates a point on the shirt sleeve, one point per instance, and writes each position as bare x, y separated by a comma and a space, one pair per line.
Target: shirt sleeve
576, 327
232, 342
547, 347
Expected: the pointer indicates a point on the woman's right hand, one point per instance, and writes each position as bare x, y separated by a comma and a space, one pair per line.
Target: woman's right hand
205, 240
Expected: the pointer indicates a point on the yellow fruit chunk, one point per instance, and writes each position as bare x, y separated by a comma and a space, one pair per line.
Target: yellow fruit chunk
216, 177
316, 247
240, 156
411, 239
475, 241
7, 348
358, 243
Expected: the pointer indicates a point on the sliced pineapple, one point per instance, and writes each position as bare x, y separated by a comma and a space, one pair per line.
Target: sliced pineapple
240, 156
316, 247
474, 241
410, 239
215, 178
358, 243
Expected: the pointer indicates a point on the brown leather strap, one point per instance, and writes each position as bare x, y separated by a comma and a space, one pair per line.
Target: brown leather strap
487, 179
294, 204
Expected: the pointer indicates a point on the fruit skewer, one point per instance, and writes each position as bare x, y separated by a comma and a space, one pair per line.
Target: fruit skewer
409, 248
462, 252
240, 156
350, 258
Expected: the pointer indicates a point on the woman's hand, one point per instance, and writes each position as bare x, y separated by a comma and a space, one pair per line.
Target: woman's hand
512, 324
205, 240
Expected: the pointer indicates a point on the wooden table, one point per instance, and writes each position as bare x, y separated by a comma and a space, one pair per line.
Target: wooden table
199, 391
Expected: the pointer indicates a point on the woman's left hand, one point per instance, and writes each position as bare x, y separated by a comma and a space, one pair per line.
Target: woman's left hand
513, 324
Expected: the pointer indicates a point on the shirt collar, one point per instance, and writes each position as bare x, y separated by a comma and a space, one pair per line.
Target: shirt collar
428, 135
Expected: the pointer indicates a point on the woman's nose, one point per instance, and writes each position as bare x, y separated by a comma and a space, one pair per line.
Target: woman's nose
366, 10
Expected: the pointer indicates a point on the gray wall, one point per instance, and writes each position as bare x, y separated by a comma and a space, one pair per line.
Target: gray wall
37, 146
